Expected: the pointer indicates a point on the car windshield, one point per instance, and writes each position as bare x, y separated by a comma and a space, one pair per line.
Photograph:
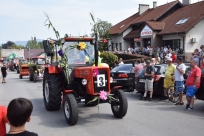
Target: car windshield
123, 68
76, 56
156, 69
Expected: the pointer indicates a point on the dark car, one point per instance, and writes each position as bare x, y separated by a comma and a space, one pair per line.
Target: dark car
157, 83
123, 75
200, 93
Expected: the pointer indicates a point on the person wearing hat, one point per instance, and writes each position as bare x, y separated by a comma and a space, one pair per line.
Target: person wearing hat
168, 79
149, 74
4, 73
179, 79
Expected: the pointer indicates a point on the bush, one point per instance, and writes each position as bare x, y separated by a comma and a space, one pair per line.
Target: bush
108, 58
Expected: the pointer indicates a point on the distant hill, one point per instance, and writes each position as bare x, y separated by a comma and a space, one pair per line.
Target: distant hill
25, 42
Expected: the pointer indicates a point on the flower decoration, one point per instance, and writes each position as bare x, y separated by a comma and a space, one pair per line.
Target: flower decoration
95, 73
81, 46
103, 95
60, 52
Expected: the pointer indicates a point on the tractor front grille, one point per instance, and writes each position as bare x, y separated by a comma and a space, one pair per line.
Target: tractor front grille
101, 82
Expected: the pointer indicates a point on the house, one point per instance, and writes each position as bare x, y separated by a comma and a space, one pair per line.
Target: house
174, 24
29, 54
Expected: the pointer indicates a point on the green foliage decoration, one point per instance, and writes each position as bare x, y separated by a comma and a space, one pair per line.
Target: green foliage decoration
108, 58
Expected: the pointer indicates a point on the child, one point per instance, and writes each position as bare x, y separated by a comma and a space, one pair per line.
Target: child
18, 113
3, 120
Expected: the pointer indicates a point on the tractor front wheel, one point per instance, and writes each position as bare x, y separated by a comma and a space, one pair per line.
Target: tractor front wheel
31, 74
70, 108
52, 92
119, 107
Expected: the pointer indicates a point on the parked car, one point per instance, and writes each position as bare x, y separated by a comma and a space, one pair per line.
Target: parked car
200, 93
123, 75
158, 79
157, 83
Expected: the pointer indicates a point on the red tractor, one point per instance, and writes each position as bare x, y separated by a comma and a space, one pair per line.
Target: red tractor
80, 85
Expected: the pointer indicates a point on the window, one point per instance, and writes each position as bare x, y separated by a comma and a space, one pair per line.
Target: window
112, 46
116, 46
120, 46
182, 21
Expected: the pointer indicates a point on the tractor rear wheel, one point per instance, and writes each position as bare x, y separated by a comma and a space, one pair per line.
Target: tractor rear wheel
31, 74
52, 92
70, 108
119, 107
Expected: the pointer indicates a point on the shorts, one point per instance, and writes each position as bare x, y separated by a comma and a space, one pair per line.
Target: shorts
179, 86
190, 91
168, 83
4, 75
148, 85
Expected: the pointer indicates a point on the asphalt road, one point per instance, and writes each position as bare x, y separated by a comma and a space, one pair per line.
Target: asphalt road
156, 118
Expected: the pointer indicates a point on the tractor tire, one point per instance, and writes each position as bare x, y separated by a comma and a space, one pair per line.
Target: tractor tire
52, 92
17, 69
70, 108
31, 74
120, 107
35, 77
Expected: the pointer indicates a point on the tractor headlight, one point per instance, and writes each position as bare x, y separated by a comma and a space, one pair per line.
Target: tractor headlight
84, 81
111, 80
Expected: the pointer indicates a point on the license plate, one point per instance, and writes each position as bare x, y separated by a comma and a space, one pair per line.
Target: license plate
142, 80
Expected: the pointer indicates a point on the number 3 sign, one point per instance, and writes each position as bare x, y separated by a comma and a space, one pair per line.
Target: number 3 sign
101, 80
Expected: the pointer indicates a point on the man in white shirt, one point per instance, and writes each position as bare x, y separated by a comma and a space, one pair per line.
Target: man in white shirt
179, 79
121, 61
169, 54
165, 49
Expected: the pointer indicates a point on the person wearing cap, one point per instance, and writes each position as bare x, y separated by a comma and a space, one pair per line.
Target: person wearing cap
179, 79
149, 74
192, 84
168, 79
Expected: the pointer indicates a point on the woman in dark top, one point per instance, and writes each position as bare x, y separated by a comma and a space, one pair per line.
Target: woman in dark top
4, 73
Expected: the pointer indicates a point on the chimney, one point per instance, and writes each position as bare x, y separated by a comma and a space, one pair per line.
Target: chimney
154, 4
143, 8
186, 2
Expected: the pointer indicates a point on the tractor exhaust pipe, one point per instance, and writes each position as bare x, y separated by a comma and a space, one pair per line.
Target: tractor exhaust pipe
96, 49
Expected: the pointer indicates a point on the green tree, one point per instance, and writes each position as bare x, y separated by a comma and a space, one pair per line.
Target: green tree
33, 44
103, 29
108, 58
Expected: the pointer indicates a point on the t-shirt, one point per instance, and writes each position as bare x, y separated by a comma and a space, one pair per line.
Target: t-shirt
25, 133
169, 55
173, 58
3, 69
195, 72
121, 63
3, 120
138, 68
149, 70
177, 74
169, 70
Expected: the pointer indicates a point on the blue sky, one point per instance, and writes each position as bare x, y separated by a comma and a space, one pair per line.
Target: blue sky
23, 19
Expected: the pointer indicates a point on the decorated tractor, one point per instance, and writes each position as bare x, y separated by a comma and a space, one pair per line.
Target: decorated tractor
24, 70
18, 66
13, 64
71, 78
36, 69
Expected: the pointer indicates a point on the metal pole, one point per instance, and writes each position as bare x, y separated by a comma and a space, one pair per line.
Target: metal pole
96, 49
29, 55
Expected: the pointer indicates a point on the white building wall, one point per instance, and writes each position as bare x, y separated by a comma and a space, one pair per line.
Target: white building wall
7, 52
196, 32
